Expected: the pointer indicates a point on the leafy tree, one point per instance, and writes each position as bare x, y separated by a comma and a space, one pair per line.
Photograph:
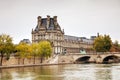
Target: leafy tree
35, 49
44, 49
23, 51
6, 46
102, 43
107, 42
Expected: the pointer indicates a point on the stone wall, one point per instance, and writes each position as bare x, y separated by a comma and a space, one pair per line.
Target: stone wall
19, 61
65, 59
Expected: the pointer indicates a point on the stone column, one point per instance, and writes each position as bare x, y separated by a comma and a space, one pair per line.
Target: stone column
98, 59
48, 21
39, 21
55, 20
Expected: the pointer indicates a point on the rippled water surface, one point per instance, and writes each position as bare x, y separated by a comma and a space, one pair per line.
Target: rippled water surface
63, 72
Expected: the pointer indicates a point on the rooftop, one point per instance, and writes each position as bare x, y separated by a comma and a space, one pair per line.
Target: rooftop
47, 23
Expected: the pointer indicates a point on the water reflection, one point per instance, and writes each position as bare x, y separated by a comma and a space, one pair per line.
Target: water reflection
103, 74
63, 72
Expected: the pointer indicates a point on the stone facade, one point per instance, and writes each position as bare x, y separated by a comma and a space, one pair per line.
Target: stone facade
49, 29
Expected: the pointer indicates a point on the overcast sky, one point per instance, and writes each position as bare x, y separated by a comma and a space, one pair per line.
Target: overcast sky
77, 17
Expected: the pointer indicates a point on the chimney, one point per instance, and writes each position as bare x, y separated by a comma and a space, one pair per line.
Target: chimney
48, 21
48, 17
55, 20
39, 21
98, 35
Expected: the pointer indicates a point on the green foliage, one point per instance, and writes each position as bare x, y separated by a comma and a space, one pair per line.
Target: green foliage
45, 49
23, 50
6, 46
35, 49
102, 43
42, 49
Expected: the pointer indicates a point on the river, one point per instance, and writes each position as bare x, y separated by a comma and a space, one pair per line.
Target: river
63, 72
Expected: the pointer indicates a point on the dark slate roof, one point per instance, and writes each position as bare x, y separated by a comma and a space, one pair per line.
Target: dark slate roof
26, 41
51, 26
74, 38
44, 24
83, 38
93, 37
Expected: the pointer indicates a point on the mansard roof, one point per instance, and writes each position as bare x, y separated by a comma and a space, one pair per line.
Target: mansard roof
44, 25
74, 38
26, 41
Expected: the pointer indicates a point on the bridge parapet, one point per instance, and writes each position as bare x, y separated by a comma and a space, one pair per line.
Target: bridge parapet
95, 57
94, 53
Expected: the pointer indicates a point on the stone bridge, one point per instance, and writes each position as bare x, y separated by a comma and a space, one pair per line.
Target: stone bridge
107, 57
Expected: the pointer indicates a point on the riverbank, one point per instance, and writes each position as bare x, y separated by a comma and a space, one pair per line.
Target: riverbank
16, 66
14, 61
43, 64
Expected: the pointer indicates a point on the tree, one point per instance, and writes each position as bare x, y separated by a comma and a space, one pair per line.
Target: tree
44, 49
23, 51
35, 51
107, 42
6, 46
102, 43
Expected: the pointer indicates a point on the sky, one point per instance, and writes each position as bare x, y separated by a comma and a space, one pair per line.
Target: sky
83, 18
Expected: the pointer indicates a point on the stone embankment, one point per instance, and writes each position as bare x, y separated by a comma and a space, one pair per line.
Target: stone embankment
62, 59
17, 62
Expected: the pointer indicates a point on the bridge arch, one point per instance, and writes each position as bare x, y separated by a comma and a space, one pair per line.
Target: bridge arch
111, 59
84, 59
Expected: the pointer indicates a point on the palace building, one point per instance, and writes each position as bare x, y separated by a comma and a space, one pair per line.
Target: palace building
49, 29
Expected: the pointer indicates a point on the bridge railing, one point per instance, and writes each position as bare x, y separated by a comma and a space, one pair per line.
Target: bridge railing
93, 53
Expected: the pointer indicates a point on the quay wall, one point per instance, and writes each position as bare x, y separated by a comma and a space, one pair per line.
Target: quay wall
67, 58
19, 61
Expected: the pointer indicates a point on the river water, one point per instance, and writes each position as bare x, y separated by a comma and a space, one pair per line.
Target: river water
63, 72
